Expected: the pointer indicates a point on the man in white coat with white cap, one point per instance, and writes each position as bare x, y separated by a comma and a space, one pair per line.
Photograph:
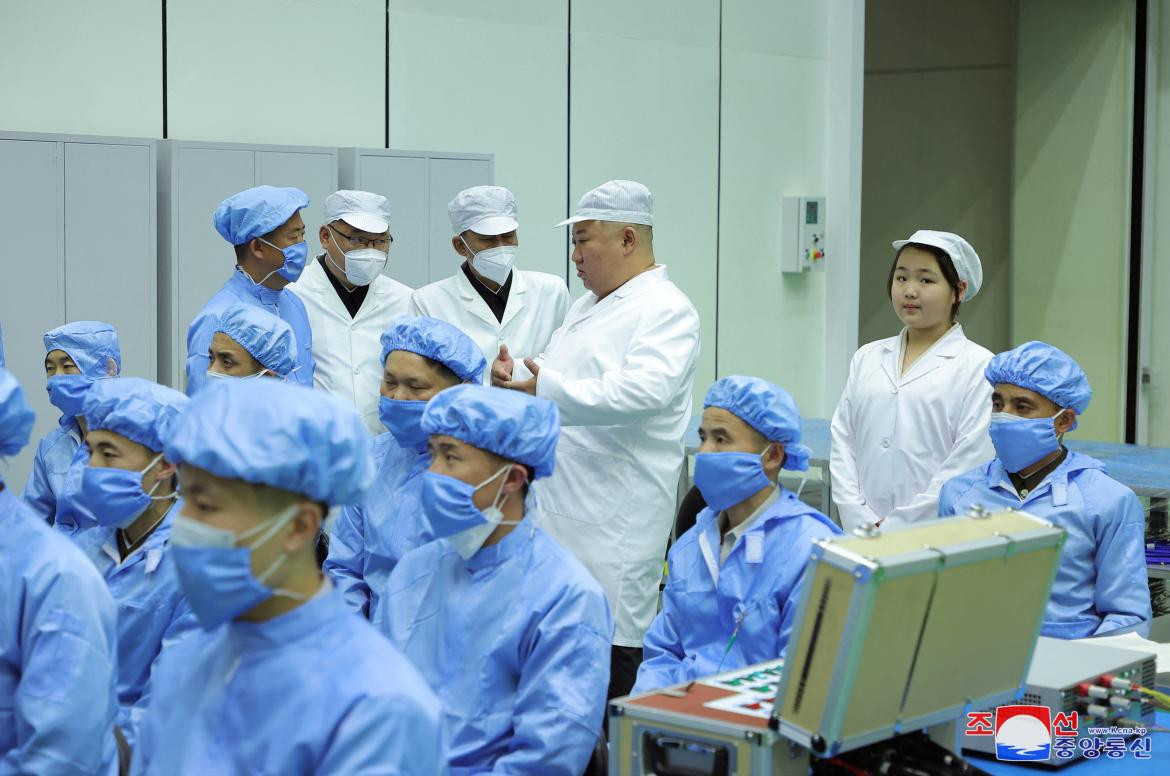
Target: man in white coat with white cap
620, 370
487, 298
350, 302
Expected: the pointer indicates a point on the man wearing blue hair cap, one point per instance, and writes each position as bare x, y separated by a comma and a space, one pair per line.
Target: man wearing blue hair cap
283, 678
506, 624
251, 342
265, 226
130, 490
57, 635
421, 357
77, 355
1100, 585
734, 578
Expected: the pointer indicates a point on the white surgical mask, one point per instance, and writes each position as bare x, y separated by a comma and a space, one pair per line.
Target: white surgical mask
362, 266
221, 376
188, 532
495, 264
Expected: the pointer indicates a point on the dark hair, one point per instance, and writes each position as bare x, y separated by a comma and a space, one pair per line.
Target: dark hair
242, 248
945, 266
321, 548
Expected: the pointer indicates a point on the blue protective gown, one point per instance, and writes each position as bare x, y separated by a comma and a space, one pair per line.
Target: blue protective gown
74, 518
316, 690
240, 288
758, 588
516, 642
369, 538
152, 610
57, 652
46, 481
1100, 585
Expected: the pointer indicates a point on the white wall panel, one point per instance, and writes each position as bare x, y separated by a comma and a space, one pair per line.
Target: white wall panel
81, 66
771, 325
490, 78
645, 108
292, 72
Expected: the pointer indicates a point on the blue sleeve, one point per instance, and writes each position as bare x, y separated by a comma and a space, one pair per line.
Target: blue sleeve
152, 732
789, 603
199, 337
560, 697
299, 321
66, 703
1122, 592
72, 516
309, 367
183, 622
947, 497
38, 494
387, 737
662, 648
796, 564
347, 558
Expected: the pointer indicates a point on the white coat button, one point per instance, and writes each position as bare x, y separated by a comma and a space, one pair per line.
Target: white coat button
894, 389
885, 443
357, 370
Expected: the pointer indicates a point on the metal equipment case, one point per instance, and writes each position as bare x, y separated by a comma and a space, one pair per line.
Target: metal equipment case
894, 632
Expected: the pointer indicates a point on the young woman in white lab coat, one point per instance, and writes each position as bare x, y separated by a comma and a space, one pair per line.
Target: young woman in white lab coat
915, 408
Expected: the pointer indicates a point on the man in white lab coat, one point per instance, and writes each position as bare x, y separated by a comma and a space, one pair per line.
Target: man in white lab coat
350, 302
620, 370
487, 298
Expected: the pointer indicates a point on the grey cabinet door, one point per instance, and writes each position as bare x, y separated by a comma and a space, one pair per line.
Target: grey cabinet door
403, 181
32, 300
447, 178
110, 254
202, 261
311, 172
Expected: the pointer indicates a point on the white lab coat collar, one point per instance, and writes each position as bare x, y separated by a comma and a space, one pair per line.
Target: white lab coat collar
656, 274
652, 276
479, 308
949, 346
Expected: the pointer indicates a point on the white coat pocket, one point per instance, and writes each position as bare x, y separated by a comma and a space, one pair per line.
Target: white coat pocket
590, 484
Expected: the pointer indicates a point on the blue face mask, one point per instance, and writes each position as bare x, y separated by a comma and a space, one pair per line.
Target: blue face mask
67, 393
448, 506
1021, 442
726, 479
115, 496
403, 419
294, 261
216, 575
